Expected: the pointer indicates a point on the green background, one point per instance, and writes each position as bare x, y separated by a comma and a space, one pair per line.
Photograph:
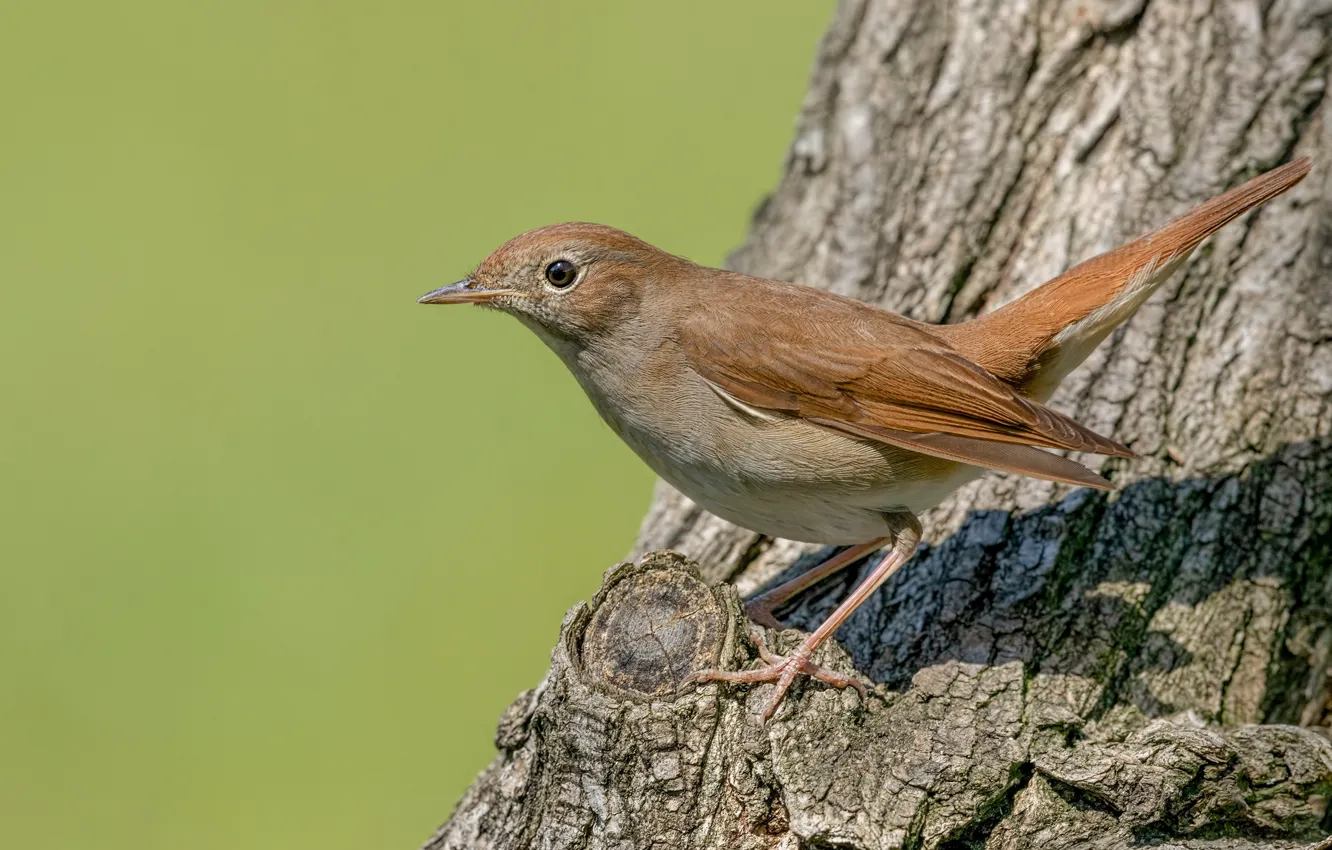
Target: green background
276, 544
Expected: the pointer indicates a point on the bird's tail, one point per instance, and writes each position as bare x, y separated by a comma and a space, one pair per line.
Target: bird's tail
1036, 340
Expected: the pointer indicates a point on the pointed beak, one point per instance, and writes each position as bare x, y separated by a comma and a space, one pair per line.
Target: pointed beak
465, 291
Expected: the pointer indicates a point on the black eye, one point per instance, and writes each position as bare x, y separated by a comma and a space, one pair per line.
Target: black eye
561, 273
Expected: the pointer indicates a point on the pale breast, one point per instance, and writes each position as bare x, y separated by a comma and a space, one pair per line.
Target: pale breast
770, 473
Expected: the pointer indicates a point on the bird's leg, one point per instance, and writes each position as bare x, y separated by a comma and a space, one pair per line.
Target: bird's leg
761, 609
783, 669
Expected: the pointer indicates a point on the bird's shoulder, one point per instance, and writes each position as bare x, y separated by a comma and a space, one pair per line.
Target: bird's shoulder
757, 314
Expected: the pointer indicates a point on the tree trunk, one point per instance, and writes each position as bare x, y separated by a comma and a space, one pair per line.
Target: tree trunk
1057, 667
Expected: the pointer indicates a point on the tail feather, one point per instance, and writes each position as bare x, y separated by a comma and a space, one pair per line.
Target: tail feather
1039, 338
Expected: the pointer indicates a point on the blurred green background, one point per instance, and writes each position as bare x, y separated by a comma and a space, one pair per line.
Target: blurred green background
276, 544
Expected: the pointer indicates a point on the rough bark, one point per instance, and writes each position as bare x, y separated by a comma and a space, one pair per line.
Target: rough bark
1055, 668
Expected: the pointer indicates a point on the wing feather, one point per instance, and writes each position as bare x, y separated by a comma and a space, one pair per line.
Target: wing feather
1007, 457
854, 368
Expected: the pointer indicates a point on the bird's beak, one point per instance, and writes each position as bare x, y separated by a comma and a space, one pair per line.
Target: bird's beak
465, 291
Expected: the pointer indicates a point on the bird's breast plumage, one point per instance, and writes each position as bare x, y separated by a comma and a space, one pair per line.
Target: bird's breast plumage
774, 474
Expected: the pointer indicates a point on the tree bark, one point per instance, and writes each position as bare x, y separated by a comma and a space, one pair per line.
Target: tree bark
1056, 667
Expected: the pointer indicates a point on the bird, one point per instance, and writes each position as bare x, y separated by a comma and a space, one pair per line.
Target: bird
802, 414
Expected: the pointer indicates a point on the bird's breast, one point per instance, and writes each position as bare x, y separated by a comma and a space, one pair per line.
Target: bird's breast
765, 471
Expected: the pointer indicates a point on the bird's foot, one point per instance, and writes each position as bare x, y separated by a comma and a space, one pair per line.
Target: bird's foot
781, 670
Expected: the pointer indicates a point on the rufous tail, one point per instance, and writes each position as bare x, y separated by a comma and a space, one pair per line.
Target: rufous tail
1035, 341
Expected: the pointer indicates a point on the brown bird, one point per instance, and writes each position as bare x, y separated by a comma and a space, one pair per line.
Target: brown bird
801, 414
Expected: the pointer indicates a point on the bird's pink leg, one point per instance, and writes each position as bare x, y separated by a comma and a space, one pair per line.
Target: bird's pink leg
783, 669
762, 607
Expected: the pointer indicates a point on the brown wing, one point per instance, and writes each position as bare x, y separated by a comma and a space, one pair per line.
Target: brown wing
868, 372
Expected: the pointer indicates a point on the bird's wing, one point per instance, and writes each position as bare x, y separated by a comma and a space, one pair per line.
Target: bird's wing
867, 372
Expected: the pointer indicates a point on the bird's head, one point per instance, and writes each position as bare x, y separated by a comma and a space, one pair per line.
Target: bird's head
572, 283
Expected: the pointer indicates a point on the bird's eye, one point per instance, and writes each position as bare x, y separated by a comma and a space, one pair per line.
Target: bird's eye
561, 273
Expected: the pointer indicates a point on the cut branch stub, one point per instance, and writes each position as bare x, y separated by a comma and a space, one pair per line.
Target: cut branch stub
650, 626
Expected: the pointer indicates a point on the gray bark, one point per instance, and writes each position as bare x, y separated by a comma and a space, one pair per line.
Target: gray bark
1055, 668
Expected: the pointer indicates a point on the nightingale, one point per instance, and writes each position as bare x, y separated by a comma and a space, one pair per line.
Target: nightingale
802, 414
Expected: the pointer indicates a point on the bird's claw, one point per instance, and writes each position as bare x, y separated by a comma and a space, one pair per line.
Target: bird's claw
781, 670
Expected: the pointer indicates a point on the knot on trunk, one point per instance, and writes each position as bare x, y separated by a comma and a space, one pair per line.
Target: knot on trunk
650, 626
